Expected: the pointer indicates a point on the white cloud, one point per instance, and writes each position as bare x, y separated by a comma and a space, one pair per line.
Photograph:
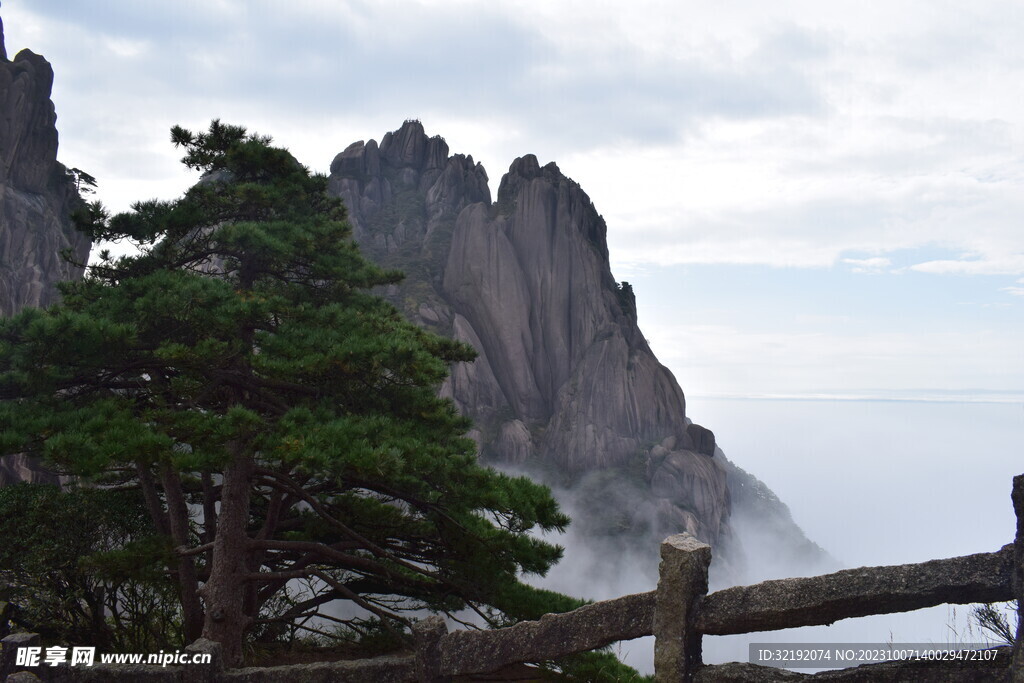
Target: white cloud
1010, 264
877, 264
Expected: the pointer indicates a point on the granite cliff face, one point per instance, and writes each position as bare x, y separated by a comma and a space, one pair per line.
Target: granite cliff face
37, 196
36, 192
565, 383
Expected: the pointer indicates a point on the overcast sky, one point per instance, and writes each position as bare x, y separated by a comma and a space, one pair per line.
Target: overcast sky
809, 197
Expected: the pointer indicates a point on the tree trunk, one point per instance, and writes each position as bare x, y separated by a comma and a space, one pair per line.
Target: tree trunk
188, 581
225, 591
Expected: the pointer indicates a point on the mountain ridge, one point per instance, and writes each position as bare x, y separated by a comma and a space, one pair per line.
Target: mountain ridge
565, 385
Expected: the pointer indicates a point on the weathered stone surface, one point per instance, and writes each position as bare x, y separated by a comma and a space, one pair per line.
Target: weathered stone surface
113, 673
534, 282
682, 585
36, 193
743, 672
564, 380
388, 669
788, 603
9, 650
204, 673
515, 440
691, 486
404, 194
479, 392
703, 439
427, 635
554, 635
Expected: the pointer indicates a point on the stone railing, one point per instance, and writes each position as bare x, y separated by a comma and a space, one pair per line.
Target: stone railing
678, 614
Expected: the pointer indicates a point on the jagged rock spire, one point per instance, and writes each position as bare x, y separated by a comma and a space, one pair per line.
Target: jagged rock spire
564, 380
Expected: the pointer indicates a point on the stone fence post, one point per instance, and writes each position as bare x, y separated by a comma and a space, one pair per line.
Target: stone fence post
427, 635
682, 585
9, 651
1017, 665
204, 673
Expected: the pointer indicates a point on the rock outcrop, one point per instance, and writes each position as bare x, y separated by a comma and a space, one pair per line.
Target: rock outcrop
37, 196
565, 385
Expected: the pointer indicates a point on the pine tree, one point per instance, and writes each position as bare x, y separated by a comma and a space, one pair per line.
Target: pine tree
281, 421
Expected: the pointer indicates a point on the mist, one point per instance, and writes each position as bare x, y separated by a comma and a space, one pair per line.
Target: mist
873, 483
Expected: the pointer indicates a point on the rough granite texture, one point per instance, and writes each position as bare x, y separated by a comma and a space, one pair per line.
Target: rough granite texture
682, 586
787, 603
36, 200
565, 383
36, 193
586, 628
427, 635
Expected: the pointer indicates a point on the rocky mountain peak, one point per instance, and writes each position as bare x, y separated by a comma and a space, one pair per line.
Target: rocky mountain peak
526, 167
28, 141
564, 382
404, 194
526, 173
564, 385
410, 147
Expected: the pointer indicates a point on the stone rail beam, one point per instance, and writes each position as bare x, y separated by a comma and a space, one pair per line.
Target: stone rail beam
553, 636
787, 603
